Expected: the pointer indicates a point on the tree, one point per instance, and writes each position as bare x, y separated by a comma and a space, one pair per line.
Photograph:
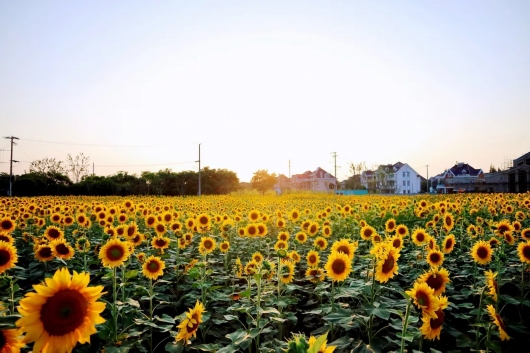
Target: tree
354, 182
47, 166
263, 181
493, 170
77, 167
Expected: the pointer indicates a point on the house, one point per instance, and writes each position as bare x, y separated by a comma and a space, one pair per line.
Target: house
496, 182
319, 180
461, 176
398, 178
519, 174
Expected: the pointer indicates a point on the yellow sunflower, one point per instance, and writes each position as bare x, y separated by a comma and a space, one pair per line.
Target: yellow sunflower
287, 274
160, 242
62, 249
257, 257
114, 253
284, 236
387, 265
497, 320
481, 252
301, 237
503, 226
315, 275
313, 229
390, 225
280, 244
207, 245
11, 341
448, 243
293, 255
224, 246
44, 253
312, 258
320, 243
432, 327
491, 282
53, 233
435, 258
397, 242
189, 326
345, 247
153, 267
367, 232
420, 237
449, 222
338, 267
251, 231
7, 225
8, 256
425, 299
323, 348
525, 234
326, 231
436, 279
61, 313
523, 250
402, 230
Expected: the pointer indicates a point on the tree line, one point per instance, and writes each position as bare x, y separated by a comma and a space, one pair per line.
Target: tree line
51, 177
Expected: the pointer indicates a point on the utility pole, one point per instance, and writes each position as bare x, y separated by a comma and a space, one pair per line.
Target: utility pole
335, 157
199, 169
428, 189
92, 168
11, 163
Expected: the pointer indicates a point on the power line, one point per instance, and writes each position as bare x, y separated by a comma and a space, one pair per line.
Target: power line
142, 165
11, 160
86, 144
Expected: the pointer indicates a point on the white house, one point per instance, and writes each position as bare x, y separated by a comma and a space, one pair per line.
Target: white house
397, 178
407, 180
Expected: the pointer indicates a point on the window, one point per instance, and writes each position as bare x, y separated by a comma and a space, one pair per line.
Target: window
403, 174
403, 182
408, 182
408, 174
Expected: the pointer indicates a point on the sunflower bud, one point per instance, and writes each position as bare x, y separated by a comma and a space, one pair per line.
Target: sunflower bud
267, 265
282, 253
179, 235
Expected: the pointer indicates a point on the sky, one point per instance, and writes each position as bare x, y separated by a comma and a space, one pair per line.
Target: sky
137, 85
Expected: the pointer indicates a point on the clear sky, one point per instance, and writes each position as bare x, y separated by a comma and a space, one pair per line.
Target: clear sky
260, 83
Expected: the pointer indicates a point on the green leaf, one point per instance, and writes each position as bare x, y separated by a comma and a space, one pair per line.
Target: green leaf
165, 318
383, 313
206, 347
131, 274
245, 294
215, 287
173, 347
132, 302
9, 322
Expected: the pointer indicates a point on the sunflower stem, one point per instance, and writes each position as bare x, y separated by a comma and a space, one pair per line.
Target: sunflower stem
115, 307
479, 316
488, 338
523, 265
12, 295
151, 314
405, 324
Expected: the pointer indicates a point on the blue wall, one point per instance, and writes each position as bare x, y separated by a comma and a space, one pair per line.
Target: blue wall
351, 192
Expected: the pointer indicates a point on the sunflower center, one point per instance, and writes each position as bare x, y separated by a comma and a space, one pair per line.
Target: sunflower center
53, 233
160, 242
422, 298
449, 243
62, 249
3, 340
344, 249
130, 231
368, 233
6, 224
396, 243
438, 322
136, 239
64, 312
401, 231
115, 253
208, 244
312, 258
4, 238
313, 229
338, 267
435, 258
435, 282
203, 220
448, 221
388, 266
482, 252
45, 252
526, 252
194, 324
420, 237
153, 266
5, 257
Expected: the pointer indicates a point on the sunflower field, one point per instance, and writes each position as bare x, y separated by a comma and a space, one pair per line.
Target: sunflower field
292, 273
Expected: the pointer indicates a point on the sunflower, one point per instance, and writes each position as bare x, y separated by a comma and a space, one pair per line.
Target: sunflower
61, 313
481, 252
390, 225
251, 268
239, 268
53, 233
295, 215
189, 326
280, 244
313, 229
320, 243
492, 284
425, 299
376, 239
7, 238
402, 230
44, 253
397, 242
141, 257
257, 257
525, 234
367, 232
203, 221
224, 246
293, 255
114, 253
435, 258
387, 265
251, 231
160, 242
312, 258
241, 232
190, 223
432, 327
280, 223
283, 236
448, 243
498, 321
326, 231
436, 279
419, 237
8, 256
207, 245
138, 239
345, 247
503, 226
253, 216
523, 250
176, 226
153, 267
11, 341
7, 225
287, 274
62, 249
301, 237
338, 267
315, 275
323, 348
449, 222
82, 244
130, 231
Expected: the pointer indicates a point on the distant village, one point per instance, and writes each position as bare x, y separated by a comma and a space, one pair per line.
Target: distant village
401, 178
